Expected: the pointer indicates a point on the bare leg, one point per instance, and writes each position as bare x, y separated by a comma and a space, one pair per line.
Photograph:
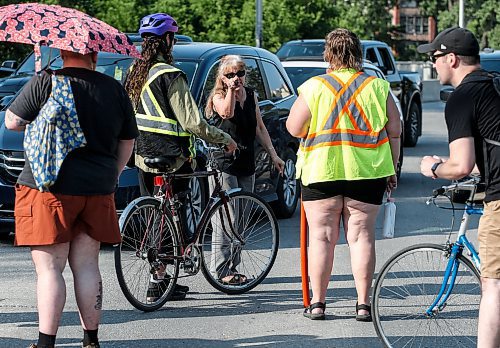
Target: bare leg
489, 314
84, 263
323, 217
360, 233
50, 261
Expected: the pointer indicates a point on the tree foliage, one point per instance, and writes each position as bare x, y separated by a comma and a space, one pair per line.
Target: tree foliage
481, 17
283, 20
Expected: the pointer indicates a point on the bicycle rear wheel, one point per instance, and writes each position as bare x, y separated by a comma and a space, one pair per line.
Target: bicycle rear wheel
223, 254
148, 248
407, 286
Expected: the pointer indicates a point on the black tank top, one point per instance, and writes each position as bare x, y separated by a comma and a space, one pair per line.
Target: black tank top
242, 127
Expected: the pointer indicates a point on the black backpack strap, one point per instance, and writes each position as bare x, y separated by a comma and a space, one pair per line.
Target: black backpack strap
496, 84
485, 157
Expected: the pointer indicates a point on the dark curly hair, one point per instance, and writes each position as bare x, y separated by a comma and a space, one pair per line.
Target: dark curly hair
152, 47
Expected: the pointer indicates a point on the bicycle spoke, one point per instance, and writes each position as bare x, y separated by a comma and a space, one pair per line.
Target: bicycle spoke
408, 284
250, 251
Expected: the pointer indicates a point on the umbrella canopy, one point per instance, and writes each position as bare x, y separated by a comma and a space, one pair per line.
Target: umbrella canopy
63, 28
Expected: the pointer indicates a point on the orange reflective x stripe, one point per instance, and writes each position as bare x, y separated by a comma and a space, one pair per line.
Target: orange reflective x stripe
345, 104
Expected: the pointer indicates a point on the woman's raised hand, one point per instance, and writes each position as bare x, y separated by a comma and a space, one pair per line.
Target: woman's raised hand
234, 84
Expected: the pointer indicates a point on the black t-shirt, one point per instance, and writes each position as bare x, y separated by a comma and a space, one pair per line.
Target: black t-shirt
473, 110
242, 128
106, 116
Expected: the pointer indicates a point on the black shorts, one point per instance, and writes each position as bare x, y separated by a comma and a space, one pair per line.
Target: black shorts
367, 191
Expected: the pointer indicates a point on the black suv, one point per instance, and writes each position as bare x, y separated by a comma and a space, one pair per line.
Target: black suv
199, 61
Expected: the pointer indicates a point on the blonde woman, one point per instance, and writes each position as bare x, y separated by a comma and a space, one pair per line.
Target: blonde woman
240, 116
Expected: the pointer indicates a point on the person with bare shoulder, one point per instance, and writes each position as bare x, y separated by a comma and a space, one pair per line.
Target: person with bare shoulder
349, 130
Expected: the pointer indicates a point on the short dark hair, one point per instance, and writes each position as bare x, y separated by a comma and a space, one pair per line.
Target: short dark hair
469, 60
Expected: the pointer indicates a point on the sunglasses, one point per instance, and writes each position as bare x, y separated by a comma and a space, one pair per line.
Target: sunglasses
231, 75
434, 57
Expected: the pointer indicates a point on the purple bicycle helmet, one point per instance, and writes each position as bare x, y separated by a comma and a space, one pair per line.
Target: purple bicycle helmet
157, 24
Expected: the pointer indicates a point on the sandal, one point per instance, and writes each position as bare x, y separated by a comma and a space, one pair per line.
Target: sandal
364, 317
234, 279
315, 316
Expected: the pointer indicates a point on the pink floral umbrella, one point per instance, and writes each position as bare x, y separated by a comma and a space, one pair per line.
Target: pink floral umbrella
63, 28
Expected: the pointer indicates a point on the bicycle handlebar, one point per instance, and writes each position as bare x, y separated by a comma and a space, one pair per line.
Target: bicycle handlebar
466, 185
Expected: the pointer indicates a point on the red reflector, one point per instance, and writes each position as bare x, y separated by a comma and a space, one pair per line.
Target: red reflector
158, 180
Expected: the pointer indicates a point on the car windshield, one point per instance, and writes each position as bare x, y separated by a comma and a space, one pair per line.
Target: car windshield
28, 65
299, 75
301, 50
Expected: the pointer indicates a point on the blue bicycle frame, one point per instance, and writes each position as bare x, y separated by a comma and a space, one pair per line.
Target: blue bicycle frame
453, 263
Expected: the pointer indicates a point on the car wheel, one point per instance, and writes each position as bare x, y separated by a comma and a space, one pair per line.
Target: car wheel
288, 189
412, 126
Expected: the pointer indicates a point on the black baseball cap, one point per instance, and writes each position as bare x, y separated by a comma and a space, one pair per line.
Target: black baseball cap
453, 40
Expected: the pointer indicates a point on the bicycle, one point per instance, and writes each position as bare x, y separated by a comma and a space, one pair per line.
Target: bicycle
427, 295
236, 228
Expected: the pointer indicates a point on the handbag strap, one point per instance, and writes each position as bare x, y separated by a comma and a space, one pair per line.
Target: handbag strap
59, 83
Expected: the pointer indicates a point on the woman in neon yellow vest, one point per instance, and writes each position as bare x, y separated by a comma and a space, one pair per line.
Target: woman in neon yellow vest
350, 130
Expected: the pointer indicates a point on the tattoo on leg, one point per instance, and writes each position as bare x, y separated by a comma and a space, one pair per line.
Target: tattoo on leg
98, 305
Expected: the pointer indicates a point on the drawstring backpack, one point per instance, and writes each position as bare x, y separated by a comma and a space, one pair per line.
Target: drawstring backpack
53, 134
486, 77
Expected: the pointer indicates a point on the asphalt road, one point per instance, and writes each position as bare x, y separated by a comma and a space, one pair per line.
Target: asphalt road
269, 315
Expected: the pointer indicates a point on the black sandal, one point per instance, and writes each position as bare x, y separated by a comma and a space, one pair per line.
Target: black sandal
364, 317
315, 316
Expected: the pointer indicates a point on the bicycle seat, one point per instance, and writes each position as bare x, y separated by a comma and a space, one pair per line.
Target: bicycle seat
162, 163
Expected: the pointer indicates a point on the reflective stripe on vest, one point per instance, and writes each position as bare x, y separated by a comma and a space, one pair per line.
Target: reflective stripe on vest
330, 135
154, 120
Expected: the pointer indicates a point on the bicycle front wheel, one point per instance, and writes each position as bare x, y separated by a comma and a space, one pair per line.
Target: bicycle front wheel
223, 254
148, 253
408, 285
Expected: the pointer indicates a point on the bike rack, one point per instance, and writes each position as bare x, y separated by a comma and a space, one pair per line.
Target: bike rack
303, 257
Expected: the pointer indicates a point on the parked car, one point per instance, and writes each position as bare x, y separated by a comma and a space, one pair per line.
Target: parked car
200, 62
490, 60
300, 71
406, 86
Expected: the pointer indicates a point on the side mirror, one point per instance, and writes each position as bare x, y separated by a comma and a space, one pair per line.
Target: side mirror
445, 93
9, 64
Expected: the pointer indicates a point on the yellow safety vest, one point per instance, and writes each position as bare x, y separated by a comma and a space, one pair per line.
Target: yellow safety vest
150, 117
346, 139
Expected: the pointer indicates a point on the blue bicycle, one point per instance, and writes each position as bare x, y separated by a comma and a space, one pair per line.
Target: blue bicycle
427, 295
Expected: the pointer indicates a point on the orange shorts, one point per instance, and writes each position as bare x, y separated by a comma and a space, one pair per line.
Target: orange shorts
489, 240
44, 218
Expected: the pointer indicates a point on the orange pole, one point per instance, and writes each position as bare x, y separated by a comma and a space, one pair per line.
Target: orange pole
303, 257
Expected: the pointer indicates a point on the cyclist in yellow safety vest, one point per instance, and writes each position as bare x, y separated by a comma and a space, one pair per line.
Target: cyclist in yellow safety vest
168, 118
349, 129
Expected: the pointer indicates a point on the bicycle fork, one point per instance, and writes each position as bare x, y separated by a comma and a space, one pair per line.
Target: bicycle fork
453, 250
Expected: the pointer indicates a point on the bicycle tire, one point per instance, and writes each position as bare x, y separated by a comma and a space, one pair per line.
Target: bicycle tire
259, 228
402, 293
134, 264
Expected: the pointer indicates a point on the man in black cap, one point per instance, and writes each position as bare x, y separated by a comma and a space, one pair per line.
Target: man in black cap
473, 119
